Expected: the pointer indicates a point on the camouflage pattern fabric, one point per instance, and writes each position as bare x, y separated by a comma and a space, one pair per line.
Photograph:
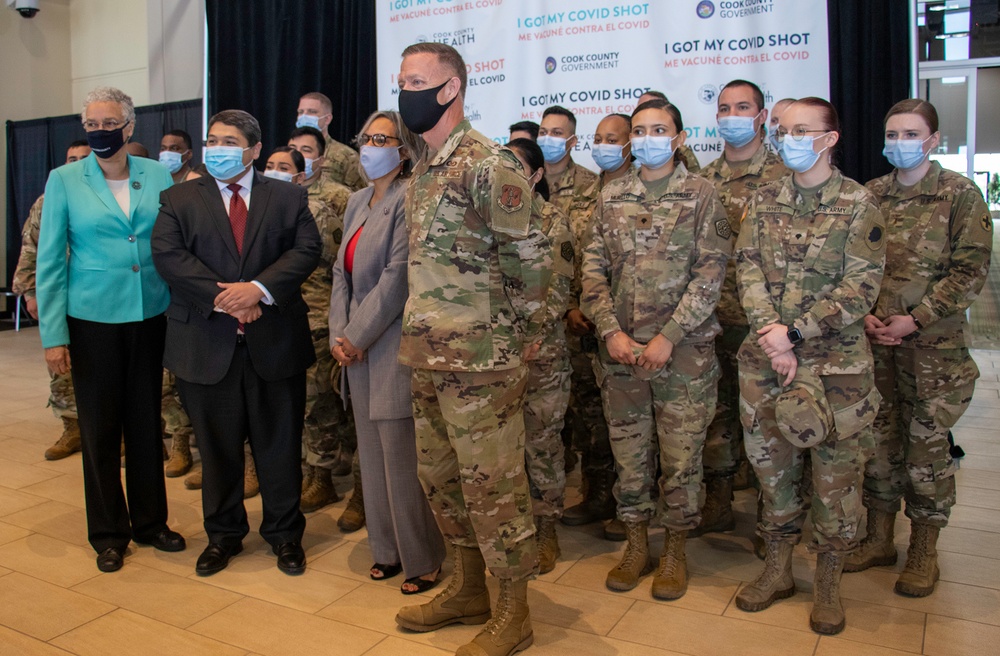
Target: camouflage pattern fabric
547, 393
572, 184
724, 439
175, 419
342, 165
477, 274
686, 156
470, 461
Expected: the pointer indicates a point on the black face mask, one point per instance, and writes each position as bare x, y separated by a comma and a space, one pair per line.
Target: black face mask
420, 109
105, 143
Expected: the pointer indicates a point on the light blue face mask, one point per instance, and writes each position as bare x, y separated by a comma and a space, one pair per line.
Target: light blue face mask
378, 161
799, 156
224, 162
608, 156
653, 152
772, 136
307, 121
737, 131
553, 148
171, 160
309, 166
284, 176
905, 154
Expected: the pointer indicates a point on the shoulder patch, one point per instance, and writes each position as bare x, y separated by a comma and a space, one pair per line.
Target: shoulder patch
566, 250
338, 235
510, 198
723, 229
874, 237
987, 222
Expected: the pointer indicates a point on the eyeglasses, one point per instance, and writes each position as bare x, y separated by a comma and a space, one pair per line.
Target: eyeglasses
376, 139
798, 133
107, 124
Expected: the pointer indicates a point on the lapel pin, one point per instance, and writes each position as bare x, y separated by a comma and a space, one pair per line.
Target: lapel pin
137, 185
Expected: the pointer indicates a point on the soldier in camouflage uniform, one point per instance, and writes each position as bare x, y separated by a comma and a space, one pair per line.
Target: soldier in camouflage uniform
61, 397
475, 313
652, 273
745, 166
940, 235
547, 393
329, 428
684, 152
339, 162
809, 264
177, 425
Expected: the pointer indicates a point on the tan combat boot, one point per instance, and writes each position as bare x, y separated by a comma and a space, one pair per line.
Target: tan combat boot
548, 544
193, 482
877, 549
180, 456
635, 561
717, 515
509, 630
921, 571
320, 492
465, 601
614, 531
68, 443
827, 615
307, 477
774, 583
251, 487
671, 580
353, 517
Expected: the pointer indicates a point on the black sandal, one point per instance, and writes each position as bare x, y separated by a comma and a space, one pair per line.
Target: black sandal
423, 585
388, 571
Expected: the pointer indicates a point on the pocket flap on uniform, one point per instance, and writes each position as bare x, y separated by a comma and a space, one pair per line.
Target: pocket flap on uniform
748, 412
854, 418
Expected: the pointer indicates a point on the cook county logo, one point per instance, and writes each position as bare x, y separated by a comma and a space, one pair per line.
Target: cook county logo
550, 65
590, 61
708, 93
705, 9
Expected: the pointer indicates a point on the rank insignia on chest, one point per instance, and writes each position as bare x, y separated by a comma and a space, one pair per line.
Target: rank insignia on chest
566, 250
510, 198
723, 229
644, 221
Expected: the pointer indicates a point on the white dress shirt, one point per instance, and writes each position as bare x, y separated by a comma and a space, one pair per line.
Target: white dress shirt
245, 183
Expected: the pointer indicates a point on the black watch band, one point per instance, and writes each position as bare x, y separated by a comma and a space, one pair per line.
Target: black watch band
795, 336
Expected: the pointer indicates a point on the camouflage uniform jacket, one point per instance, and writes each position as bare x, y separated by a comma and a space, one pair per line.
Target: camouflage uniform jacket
655, 262
341, 164
555, 225
24, 275
477, 271
581, 211
736, 185
940, 235
687, 156
327, 202
814, 263
573, 183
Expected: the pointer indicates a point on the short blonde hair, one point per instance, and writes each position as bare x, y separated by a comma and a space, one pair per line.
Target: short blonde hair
414, 145
110, 94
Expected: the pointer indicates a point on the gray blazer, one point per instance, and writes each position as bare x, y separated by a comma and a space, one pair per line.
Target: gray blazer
367, 306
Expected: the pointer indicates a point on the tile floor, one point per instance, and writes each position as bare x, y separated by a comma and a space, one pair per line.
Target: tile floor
53, 600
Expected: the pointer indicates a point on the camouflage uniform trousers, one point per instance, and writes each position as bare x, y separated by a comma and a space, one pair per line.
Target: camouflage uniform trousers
544, 411
925, 392
779, 466
470, 461
665, 415
62, 399
175, 419
329, 428
724, 441
585, 414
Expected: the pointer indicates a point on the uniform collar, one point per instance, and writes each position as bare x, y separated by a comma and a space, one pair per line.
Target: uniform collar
450, 144
927, 186
633, 185
828, 195
566, 179
754, 166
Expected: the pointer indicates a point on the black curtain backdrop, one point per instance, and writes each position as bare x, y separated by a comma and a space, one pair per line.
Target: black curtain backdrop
869, 73
264, 55
37, 146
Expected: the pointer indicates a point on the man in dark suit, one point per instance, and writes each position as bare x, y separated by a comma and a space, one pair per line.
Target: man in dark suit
234, 248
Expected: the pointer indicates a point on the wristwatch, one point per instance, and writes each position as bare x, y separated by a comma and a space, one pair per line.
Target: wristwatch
795, 336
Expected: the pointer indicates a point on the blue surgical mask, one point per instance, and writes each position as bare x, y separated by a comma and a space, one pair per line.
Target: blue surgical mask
905, 154
309, 166
224, 162
284, 176
171, 160
737, 131
377, 161
772, 136
653, 152
307, 121
799, 156
553, 148
608, 156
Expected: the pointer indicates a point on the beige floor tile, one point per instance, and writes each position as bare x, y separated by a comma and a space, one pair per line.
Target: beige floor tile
259, 577
829, 646
22, 447
14, 642
954, 539
9, 533
64, 488
950, 637
168, 598
49, 559
978, 497
16, 475
268, 628
393, 646
700, 634
975, 478
581, 610
12, 501
55, 519
125, 632
374, 606
559, 641
867, 623
982, 463
979, 519
43, 610
179, 563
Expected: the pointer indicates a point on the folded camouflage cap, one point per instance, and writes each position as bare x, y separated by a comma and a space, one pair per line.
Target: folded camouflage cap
802, 412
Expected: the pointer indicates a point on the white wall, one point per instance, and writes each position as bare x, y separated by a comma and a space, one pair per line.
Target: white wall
109, 47
176, 30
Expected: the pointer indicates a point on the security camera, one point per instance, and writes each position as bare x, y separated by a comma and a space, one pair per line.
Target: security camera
27, 8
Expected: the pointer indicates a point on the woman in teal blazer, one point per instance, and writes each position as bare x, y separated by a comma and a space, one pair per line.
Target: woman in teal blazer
101, 304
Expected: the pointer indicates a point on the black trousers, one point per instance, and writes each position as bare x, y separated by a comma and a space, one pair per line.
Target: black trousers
117, 376
271, 414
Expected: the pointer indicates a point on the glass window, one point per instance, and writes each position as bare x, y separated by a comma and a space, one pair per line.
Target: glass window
952, 30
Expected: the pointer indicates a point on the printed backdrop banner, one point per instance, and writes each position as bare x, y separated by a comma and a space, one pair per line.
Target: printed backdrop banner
597, 57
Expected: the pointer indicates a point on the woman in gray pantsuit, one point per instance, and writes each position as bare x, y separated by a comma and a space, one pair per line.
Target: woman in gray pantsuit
366, 311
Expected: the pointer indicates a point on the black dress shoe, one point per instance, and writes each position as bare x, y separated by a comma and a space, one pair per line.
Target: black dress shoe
215, 557
111, 559
165, 540
291, 558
